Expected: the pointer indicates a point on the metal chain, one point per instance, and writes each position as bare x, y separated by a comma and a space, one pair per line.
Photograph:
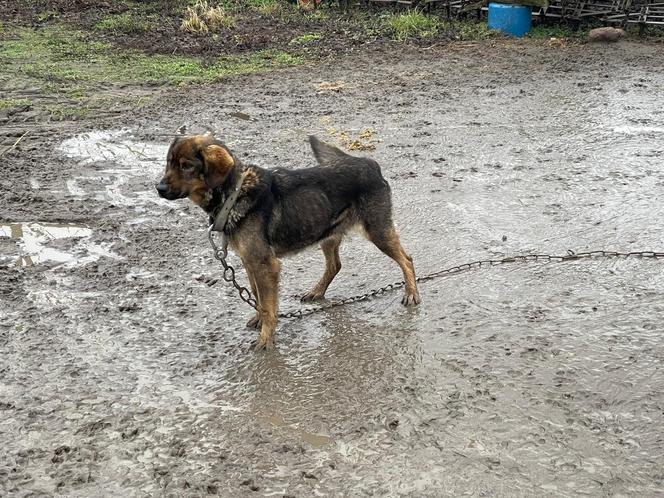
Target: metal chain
220, 253
475, 265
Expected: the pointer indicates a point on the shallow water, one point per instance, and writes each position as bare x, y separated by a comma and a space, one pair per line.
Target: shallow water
33, 239
110, 159
133, 376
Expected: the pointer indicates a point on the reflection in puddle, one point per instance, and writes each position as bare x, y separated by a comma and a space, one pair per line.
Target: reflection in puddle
35, 241
117, 147
127, 158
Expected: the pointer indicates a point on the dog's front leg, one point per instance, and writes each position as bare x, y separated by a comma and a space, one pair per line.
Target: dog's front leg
255, 321
266, 274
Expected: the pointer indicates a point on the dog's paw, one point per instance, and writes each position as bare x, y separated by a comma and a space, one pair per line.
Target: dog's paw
312, 296
263, 344
411, 299
254, 322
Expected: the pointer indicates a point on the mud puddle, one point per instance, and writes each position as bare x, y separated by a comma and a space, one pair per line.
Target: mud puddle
112, 160
50, 244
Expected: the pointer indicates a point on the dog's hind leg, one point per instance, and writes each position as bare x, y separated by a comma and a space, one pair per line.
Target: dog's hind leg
388, 241
375, 213
330, 247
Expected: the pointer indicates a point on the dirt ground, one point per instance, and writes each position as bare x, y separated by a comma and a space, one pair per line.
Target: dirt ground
124, 373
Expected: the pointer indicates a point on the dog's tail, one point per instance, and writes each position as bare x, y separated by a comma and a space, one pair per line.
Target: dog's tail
326, 154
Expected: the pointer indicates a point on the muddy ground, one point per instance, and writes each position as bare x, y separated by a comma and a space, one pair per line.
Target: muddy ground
124, 373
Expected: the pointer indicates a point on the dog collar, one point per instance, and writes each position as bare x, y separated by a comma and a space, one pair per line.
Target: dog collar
219, 218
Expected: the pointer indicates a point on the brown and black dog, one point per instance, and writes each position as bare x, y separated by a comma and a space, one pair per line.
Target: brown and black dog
281, 211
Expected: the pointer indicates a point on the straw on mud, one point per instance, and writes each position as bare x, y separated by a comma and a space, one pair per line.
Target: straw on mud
9, 149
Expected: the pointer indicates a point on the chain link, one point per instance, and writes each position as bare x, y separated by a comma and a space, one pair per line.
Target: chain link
220, 253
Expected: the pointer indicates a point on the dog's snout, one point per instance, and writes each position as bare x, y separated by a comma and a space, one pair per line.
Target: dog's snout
166, 191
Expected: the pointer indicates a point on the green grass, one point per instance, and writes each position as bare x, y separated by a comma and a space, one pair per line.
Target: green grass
265, 7
415, 25
64, 58
306, 39
469, 31
127, 22
412, 25
61, 112
546, 32
47, 15
14, 103
75, 68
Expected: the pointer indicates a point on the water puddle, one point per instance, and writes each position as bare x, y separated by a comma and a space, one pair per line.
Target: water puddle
41, 243
117, 147
129, 161
638, 130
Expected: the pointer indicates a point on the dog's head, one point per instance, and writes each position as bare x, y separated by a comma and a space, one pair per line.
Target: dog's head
194, 167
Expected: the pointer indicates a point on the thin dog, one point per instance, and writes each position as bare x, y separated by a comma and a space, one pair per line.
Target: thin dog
280, 212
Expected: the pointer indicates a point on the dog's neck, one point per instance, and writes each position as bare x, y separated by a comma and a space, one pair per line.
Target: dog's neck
219, 195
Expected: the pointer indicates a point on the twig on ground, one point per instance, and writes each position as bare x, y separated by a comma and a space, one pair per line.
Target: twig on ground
9, 149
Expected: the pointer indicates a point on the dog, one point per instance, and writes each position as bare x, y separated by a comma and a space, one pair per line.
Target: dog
279, 212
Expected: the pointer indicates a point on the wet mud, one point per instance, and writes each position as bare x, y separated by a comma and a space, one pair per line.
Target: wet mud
124, 373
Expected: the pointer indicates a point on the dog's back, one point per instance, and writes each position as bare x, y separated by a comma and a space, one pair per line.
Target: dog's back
311, 204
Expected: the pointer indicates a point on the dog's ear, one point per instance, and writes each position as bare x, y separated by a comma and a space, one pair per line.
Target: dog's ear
176, 140
218, 162
171, 148
326, 154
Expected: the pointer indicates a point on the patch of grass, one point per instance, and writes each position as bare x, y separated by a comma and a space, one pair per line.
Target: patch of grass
265, 7
61, 112
127, 22
76, 92
61, 59
203, 17
305, 39
468, 30
47, 15
14, 103
412, 25
546, 32
318, 15
654, 33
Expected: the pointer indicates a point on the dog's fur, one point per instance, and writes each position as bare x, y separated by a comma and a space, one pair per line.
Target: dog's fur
281, 211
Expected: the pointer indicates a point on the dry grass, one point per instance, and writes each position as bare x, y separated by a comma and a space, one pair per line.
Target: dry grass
204, 17
330, 86
193, 22
364, 140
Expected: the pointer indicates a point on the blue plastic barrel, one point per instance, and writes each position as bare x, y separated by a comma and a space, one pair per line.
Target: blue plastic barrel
515, 20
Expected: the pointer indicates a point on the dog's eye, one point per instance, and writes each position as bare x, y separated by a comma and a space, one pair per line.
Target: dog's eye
187, 166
